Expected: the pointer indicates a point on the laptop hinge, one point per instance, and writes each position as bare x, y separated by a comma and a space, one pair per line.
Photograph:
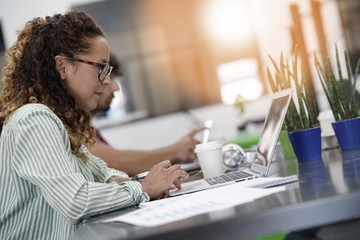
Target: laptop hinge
258, 168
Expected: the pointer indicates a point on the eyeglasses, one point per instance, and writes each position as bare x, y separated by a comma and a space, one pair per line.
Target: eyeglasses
104, 68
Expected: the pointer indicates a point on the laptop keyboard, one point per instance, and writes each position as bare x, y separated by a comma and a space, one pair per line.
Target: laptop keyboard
227, 177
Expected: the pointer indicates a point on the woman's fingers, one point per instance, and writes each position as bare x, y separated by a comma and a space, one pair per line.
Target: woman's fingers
177, 172
162, 178
165, 164
177, 184
174, 168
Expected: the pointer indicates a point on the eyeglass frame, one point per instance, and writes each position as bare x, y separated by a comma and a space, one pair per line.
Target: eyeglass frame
101, 67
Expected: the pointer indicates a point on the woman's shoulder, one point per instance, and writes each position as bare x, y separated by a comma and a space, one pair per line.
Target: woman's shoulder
34, 107
32, 110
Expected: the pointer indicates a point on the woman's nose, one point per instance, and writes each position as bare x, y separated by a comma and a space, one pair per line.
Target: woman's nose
107, 80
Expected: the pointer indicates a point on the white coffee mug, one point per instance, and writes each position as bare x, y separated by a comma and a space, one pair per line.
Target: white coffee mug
210, 158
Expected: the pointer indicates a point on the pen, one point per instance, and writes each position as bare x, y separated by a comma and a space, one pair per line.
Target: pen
139, 176
135, 178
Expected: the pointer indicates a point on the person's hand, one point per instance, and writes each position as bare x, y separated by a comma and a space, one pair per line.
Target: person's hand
185, 147
161, 178
118, 179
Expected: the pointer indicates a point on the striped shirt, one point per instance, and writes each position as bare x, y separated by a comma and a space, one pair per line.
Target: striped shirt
45, 190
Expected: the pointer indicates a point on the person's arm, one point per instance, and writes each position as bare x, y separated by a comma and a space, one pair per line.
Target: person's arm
134, 162
161, 178
74, 189
43, 158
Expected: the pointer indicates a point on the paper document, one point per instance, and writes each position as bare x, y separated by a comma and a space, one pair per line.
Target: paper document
168, 210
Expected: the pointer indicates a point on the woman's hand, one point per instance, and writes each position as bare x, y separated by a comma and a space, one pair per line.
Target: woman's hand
161, 178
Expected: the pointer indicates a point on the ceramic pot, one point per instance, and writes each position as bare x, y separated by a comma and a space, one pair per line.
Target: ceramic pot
306, 144
348, 133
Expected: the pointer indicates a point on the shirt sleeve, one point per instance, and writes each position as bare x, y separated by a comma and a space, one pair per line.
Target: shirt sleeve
99, 168
73, 189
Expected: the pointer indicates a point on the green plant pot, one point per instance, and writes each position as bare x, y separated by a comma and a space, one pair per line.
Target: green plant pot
286, 145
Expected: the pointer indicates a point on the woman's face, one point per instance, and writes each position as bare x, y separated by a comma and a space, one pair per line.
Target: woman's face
82, 79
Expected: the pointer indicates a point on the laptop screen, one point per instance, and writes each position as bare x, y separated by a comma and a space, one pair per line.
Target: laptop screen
271, 131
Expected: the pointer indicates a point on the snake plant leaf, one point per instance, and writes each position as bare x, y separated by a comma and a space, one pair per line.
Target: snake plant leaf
333, 88
341, 87
277, 69
338, 64
341, 92
272, 84
306, 98
295, 116
299, 115
356, 74
322, 77
351, 88
355, 104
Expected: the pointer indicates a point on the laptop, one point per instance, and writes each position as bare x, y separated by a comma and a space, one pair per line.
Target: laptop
261, 162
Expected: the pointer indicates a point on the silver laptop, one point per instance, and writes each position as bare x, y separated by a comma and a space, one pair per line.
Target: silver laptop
262, 158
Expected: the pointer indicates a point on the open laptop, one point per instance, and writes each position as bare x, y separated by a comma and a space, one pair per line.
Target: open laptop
262, 158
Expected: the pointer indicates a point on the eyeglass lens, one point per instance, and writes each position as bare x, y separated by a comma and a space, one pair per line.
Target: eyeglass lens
105, 71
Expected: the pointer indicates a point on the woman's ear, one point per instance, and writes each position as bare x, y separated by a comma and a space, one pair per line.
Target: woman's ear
61, 66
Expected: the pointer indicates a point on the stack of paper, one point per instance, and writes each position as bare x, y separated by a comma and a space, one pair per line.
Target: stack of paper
176, 208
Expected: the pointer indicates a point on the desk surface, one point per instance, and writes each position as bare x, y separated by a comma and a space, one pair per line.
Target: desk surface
328, 191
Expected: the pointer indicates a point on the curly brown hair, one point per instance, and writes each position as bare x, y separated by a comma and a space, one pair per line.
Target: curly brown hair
32, 77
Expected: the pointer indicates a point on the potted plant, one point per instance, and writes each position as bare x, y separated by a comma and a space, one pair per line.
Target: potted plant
341, 95
277, 85
301, 120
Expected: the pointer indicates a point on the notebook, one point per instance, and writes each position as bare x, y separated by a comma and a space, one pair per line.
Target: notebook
262, 158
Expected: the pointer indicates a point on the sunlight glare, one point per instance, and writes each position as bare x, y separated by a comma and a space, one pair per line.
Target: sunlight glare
227, 20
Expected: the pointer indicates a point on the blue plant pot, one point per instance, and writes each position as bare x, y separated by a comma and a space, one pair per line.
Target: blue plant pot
306, 144
348, 133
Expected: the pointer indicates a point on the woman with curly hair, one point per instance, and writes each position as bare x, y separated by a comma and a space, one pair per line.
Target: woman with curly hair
49, 182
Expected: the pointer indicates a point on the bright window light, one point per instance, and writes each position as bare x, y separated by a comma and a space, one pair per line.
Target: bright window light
239, 77
227, 20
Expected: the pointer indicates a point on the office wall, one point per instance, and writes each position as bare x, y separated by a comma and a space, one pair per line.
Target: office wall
273, 20
170, 63
350, 16
14, 13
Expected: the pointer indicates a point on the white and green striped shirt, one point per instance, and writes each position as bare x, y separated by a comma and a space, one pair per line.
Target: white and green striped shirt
45, 190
